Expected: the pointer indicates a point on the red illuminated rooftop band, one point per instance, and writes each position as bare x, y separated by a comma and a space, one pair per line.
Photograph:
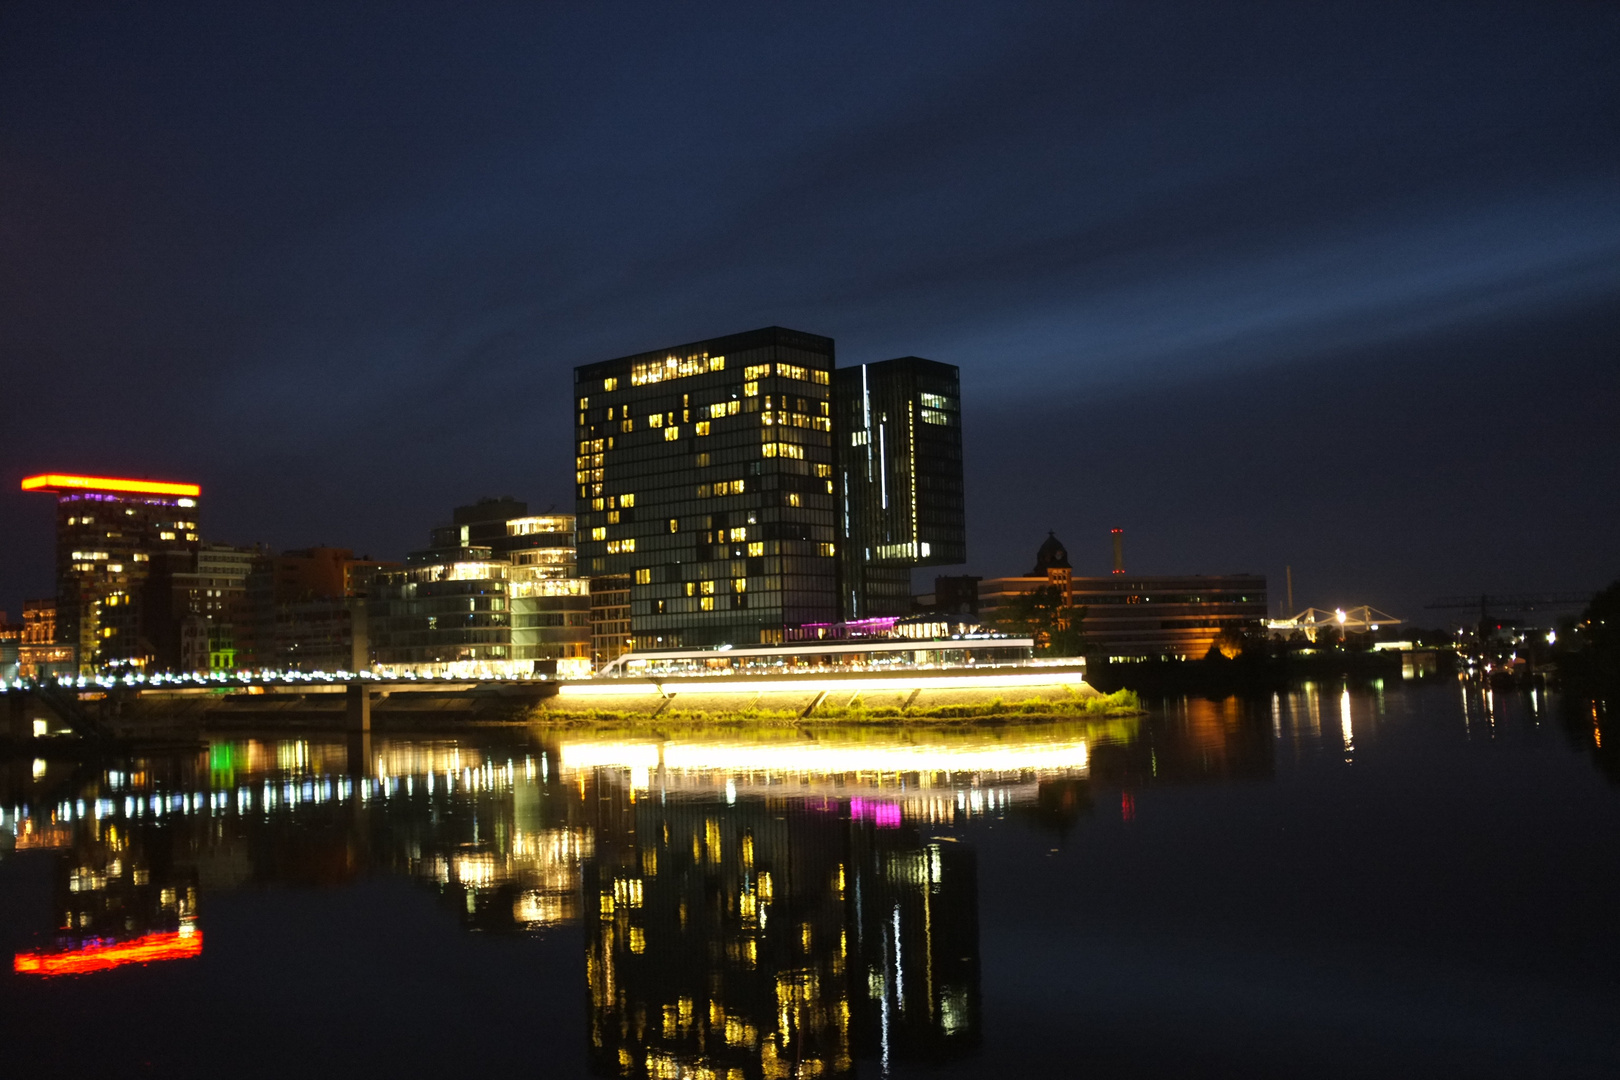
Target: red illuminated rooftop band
100, 956
58, 482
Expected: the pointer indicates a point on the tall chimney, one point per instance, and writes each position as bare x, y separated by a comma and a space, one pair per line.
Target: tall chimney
1119, 551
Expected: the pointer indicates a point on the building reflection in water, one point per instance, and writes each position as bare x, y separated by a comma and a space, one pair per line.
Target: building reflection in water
759, 921
764, 906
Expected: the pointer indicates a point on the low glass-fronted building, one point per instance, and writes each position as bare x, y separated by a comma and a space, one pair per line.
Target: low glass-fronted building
510, 605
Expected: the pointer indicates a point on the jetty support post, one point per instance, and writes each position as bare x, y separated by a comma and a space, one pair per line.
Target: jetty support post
358, 717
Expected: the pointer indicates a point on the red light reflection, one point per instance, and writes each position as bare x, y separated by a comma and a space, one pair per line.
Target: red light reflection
100, 956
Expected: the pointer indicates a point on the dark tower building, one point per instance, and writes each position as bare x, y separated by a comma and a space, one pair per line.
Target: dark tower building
108, 533
705, 478
900, 467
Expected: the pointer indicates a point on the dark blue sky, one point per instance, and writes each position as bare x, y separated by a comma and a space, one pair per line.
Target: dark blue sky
1331, 285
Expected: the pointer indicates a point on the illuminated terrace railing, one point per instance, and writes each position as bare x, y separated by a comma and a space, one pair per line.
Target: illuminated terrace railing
829, 655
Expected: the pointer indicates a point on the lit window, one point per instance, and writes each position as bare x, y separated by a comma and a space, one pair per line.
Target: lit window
828, 550
823, 470
627, 501
706, 603
613, 517
691, 588
671, 434
584, 403
596, 504
756, 547
644, 576
673, 367
599, 533
627, 426
655, 420
793, 499
702, 427
739, 534
708, 588
610, 385
784, 450
750, 389
739, 584
757, 371
674, 525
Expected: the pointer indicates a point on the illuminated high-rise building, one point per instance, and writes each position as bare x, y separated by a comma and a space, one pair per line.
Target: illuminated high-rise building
899, 438
108, 530
705, 477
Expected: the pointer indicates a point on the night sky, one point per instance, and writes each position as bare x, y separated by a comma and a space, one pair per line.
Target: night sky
1331, 285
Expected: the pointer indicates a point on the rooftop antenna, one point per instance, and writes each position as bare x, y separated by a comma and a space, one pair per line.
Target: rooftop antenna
1119, 551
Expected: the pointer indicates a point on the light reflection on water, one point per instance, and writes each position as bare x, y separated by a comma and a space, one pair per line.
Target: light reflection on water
752, 903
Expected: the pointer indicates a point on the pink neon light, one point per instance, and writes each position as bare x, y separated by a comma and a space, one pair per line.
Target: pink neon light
884, 815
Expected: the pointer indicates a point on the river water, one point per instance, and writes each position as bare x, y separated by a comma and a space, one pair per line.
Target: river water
1330, 882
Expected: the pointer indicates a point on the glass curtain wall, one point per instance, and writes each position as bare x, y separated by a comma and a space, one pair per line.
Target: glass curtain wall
705, 476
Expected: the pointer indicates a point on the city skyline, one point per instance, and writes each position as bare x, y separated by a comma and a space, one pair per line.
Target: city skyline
1311, 289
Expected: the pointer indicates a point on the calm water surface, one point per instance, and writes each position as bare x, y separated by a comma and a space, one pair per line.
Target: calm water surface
1327, 883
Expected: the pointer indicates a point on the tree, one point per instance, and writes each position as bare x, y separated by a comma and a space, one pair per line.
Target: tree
1045, 615
1230, 643
1591, 648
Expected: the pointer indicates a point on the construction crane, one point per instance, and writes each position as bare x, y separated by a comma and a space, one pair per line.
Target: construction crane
1485, 603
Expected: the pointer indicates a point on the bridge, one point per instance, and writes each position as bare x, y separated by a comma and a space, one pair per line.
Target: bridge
84, 706
1353, 620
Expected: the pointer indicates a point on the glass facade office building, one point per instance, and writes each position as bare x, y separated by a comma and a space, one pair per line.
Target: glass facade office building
899, 425
705, 475
496, 594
